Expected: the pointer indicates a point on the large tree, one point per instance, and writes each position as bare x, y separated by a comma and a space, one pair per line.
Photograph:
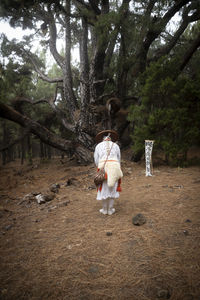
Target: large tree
117, 41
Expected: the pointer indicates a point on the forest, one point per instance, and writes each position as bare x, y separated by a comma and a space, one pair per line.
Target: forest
80, 67
138, 72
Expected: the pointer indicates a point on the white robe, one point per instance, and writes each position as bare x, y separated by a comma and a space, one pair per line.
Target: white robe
112, 167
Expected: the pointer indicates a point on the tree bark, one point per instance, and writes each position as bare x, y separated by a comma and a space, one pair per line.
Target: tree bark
69, 96
4, 153
123, 66
84, 75
29, 149
22, 151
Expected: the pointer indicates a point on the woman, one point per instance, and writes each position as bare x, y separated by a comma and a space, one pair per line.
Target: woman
107, 154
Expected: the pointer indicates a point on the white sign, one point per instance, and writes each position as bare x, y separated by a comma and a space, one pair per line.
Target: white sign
148, 156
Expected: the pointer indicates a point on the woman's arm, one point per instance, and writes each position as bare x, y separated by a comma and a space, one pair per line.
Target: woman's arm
96, 156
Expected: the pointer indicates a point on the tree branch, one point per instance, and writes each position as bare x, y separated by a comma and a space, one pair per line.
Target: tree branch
46, 135
51, 102
26, 100
83, 3
43, 76
53, 37
156, 26
189, 53
94, 7
82, 7
168, 47
43, 133
114, 34
160, 24
40, 73
146, 18
61, 21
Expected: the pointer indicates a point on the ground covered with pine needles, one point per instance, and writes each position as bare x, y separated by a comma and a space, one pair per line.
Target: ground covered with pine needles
66, 249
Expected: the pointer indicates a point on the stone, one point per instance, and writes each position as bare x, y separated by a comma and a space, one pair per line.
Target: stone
138, 220
93, 269
188, 221
71, 181
49, 196
28, 198
8, 227
42, 198
55, 187
163, 294
185, 232
36, 193
108, 233
36, 221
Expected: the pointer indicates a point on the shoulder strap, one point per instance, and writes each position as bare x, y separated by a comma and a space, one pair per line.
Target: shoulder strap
108, 155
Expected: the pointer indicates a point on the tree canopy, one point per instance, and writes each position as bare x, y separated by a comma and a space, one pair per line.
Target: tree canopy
133, 59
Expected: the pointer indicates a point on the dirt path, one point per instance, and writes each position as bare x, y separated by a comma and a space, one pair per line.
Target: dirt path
58, 252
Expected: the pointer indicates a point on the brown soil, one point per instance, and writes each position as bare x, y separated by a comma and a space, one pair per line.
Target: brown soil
58, 252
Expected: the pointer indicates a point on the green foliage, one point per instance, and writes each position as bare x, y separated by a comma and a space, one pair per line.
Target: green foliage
169, 113
15, 80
